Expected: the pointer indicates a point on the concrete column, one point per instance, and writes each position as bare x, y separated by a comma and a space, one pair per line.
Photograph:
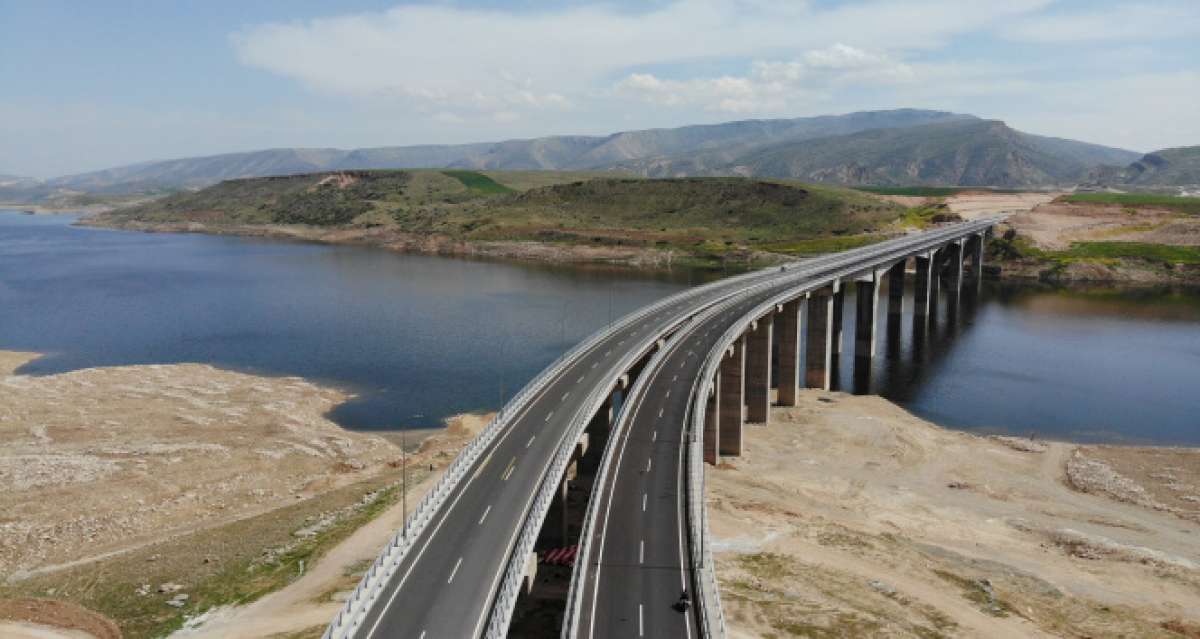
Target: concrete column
923, 287
733, 384
935, 285
956, 269
896, 292
758, 369
839, 299
818, 365
977, 261
712, 424
788, 324
867, 292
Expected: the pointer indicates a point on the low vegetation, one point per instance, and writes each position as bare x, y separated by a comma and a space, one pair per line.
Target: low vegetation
927, 191
705, 218
1188, 205
235, 563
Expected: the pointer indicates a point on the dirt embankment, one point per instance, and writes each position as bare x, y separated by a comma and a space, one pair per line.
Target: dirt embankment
553, 252
1052, 228
141, 496
849, 517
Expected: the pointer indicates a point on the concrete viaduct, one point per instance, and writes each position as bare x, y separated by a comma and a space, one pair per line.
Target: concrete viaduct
603, 452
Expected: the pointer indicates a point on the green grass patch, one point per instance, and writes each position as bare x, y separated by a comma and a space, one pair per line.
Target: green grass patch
822, 245
1189, 205
479, 183
929, 191
1138, 250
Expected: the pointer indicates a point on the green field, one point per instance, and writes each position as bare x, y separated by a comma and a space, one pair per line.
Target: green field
1189, 205
928, 191
479, 183
1138, 250
702, 217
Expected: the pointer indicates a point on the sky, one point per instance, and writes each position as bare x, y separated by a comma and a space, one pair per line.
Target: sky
90, 85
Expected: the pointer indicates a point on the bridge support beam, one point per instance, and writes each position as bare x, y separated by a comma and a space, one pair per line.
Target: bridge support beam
818, 364
977, 260
712, 424
788, 324
733, 384
758, 369
867, 292
923, 288
896, 293
839, 302
956, 268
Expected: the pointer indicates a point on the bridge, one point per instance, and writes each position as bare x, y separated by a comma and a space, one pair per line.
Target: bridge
625, 422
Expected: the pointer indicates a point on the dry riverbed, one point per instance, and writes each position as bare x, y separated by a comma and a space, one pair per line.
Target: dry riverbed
849, 517
148, 494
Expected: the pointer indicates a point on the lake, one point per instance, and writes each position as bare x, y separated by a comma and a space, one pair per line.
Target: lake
418, 338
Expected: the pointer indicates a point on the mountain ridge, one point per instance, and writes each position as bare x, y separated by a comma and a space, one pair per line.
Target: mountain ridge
738, 148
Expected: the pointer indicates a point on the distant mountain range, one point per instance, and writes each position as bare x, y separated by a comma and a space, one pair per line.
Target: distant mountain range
1179, 167
876, 148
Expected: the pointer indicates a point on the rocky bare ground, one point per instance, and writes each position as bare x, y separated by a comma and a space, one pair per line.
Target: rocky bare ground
134, 498
99, 460
848, 517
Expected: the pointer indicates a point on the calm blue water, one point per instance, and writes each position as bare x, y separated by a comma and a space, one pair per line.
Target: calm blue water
419, 338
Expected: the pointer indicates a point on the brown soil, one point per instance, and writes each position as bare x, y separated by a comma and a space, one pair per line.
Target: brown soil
850, 517
308, 603
124, 489
636, 256
102, 460
1056, 225
55, 619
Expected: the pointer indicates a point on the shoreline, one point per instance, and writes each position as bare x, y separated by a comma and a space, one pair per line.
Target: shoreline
1121, 272
528, 251
185, 488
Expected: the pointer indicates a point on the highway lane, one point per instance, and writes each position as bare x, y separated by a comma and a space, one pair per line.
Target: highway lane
639, 554
637, 562
444, 587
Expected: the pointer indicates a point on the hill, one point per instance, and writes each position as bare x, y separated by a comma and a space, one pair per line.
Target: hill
548, 153
881, 148
700, 216
1178, 167
962, 152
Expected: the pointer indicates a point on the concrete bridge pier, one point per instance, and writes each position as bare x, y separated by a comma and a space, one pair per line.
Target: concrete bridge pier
923, 289
818, 365
758, 369
733, 382
866, 290
839, 302
789, 323
895, 279
712, 423
977, 245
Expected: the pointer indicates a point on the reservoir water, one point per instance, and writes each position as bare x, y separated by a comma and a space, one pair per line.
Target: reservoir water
418, 338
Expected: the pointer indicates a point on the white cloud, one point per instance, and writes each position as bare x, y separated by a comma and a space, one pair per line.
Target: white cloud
485, 60
772, 86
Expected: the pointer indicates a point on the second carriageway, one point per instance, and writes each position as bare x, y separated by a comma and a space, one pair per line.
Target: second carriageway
685, 374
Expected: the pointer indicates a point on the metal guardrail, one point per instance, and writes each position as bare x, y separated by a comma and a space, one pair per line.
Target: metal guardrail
349, 620
706, 584
710, 613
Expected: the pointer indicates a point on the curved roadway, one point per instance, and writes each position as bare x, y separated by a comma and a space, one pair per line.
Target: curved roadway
445, 586
637, 559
